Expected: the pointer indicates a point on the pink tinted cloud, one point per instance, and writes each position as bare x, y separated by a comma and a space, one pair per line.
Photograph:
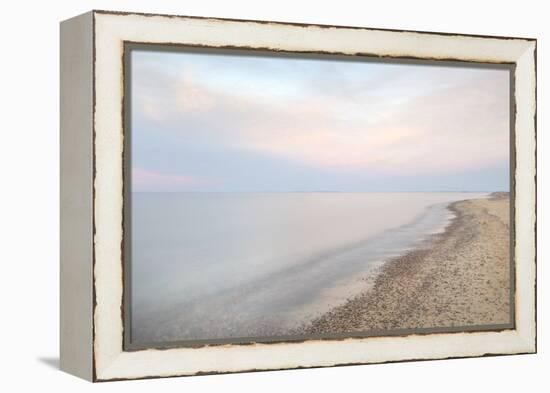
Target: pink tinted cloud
450, 128
146, 180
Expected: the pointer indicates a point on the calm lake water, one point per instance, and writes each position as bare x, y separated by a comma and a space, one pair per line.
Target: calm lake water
232, 265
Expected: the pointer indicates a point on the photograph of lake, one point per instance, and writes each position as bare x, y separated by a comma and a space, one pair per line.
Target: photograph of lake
279, 197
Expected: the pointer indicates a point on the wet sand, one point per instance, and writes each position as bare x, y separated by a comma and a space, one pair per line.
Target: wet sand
459, 278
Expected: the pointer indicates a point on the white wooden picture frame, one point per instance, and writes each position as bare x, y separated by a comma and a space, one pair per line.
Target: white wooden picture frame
92, 194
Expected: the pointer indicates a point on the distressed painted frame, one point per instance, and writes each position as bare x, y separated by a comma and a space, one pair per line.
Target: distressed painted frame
92, 189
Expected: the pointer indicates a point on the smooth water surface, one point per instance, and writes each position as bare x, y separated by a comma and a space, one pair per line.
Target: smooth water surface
223, 265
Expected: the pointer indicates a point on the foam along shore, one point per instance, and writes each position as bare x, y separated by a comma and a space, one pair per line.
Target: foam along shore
460, 278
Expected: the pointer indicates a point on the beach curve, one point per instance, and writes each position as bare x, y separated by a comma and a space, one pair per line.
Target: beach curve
460, 278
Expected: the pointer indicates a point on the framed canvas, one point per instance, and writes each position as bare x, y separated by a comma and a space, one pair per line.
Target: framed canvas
244, 195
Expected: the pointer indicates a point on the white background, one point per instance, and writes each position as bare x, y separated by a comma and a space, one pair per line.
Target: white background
29, 182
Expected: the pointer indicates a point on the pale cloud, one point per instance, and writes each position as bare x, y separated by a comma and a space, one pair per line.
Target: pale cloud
146, 180
191, 96
408, 120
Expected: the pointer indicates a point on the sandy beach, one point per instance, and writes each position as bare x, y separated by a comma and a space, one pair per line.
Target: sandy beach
459, 278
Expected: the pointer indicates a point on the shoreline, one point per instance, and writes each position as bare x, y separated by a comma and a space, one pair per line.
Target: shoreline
459, 277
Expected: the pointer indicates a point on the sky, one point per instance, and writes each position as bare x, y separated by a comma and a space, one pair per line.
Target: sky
204, 121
